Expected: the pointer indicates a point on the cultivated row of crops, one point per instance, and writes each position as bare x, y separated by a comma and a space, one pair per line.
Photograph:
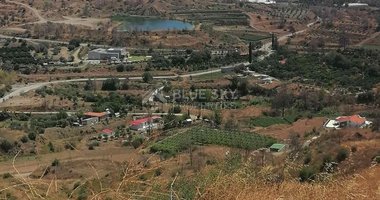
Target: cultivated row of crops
202, 136
217, 17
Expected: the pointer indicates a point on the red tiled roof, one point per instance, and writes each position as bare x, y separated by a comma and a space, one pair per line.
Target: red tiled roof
95, 114
357, 119
107, 131
143, 120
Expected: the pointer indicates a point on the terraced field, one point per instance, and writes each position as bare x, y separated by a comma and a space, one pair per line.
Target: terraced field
204, 136
216, 17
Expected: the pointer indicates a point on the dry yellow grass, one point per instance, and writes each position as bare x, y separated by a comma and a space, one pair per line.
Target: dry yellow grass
6, 78
365, 185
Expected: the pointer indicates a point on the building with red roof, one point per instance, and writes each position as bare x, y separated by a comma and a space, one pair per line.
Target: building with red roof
145, 123
354, 121
106, 133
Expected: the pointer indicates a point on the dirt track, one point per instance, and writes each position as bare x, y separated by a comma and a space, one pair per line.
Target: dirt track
26, 165
89, 22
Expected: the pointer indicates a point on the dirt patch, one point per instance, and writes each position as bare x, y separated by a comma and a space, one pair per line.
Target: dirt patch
242, 114
300, 127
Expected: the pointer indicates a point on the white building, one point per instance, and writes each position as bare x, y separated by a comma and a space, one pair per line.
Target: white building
263, 1
107, 54
356, 4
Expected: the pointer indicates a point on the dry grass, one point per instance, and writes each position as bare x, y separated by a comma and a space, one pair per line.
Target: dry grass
364, 185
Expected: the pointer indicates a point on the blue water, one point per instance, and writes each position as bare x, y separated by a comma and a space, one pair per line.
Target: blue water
153, 24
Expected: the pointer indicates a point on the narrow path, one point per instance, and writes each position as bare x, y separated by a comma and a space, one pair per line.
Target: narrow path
373, 36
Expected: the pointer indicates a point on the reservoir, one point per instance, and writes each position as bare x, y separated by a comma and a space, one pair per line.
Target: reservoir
137, 23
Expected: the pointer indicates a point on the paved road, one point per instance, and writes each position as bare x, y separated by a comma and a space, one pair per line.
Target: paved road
20, 89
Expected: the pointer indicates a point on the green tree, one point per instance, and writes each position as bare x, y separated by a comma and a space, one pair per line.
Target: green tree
90, 85
6, 146
120, 68
147, 77
111, 84
32, 135
282, 100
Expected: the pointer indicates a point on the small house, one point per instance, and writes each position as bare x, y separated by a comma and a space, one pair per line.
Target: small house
99, 115
107, 133
277, 147
89, 121
144, 124
354, 121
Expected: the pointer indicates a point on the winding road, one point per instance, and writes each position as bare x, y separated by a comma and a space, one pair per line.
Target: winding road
33, 86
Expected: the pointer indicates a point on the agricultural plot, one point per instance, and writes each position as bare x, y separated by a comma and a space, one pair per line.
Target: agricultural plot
204, 136
266, 121
18, 55
217, 17
250, 36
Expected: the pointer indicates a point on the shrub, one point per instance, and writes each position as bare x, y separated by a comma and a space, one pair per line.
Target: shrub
137, 141
158, 172
24, 139
76, 185
7, 175
111, 84
32, 135
6, 146
51, 147
147, 77
342, 155
307, 159
120, 68
55, 163
307, 174
377, 159
82, 194
92, 145
143, 177
176, 109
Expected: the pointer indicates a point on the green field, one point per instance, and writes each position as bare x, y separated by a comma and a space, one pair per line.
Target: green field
265, 121
212, 76
203, 136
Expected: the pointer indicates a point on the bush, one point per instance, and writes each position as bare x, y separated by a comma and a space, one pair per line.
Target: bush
6, 146
147, 77
176, 109
51, 147
82, 194
342, 155
92, 145
377, 159
24, 139
7, 175
55, 163
32, 135
137, 141
307, 174
158, 172
120, 68
111, 84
